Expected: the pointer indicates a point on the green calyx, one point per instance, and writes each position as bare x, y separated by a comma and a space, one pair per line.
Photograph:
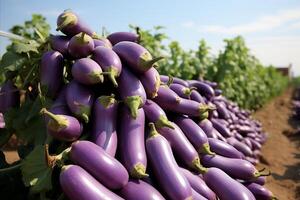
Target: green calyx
68, 18
163, 122
205, 107
56, 122
96, 77
112, 74
62, 157
133, 103
206, 149
259, 173
152, 130
146, 61
139, 171
83, 38
196, 165
204, 115
107, 101
187, 91
84, 112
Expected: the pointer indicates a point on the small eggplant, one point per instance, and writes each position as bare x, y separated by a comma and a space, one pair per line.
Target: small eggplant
117, 37
81, 45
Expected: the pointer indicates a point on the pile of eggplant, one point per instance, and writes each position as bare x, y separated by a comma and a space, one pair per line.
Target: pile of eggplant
296, 103
136, 134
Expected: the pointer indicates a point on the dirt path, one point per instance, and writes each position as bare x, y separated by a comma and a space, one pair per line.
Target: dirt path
281, 152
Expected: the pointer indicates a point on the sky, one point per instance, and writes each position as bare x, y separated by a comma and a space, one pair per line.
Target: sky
271, 28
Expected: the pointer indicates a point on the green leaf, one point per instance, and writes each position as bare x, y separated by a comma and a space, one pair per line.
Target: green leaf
35, 172
25, 47
11, 61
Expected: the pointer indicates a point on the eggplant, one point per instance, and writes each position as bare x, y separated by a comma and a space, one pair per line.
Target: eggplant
166, 79
260, 180
138, 189
77, 184
225, 187
51, 72
9, 96
105, 168
224, 149
102, 42
195, 96
151, 82
203, 88
2, 121
109, 62
131, 91
260, 192
181, 146
132, 143
60, 43
207, 127
104, 122
117, 37
222, 111
182, 91
194, 133
221, 128
80, 100
70, 24
63, 127
197, 196
166, 96
243, 148
81, 45
156, 114
135, 56
86, 71
165, 168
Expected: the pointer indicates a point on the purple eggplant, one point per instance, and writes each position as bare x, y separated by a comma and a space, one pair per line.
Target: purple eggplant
135, 56
156, 114
219, 135
197, 196
194, 133
51, 72
260, 192
225, 187
138, 189
222, 111
80, 99
224, 149
102, 42
166, 170
109, 62
132, 143
70, 24
104, 122
260, 180
181, 90
131, 91
106, 169
166, 79
203, 88
151, 82
87, 72
2, 121
243, 148
77, 184
207, 127
63, 127
221, 128
166, 96
9, 96
198, 185
195, 96
60, 43
81, 45
117, 37
181, 146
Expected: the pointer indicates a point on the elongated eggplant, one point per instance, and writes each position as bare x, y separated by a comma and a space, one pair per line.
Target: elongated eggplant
109, 62
80, 100
166, 79
51, 72
260, 192
63, 127
117, 37
240, 146
2, 121
132, 143
194, 133
138, 189
166, 96
156, 114
135, 56
221, 128
172, 181
151, 82
222, 111
208, 128
203, 88
198, 185
225, 187
60, 43
78, 184
87, 72
197, 196
195, 96
260, 180
181, 90
103, 42
224, 149
81, 45
104, 124
9, 96
106, 169
131, 91
181, 146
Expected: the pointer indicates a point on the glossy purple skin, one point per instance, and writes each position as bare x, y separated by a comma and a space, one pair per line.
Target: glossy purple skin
197, 196
166, 170
225, 187
60, 43
224, 149
103, 42
179, 89
260, 192
82, 70
138, 189
80, 99
51, 72
202, 88
152, 111
2, 122
151, 82
131, 54
260, 180
181, 146
255, 144
192, 131
243, 148
117, 37
222, 111
248, 143
105, 168
165, 79
73, 29
236, 168
207, 127
218, 135
80, 49
221, 128
218, 92
198, 185
9, 96
195, 96
77, 184
104, 122
132, 139
166, 96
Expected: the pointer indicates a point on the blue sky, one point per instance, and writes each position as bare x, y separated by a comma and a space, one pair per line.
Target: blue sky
271, 27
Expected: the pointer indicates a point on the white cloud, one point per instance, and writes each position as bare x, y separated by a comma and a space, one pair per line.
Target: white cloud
188, 24
295, 25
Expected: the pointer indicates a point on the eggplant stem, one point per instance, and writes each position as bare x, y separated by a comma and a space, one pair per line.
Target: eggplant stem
170, 81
